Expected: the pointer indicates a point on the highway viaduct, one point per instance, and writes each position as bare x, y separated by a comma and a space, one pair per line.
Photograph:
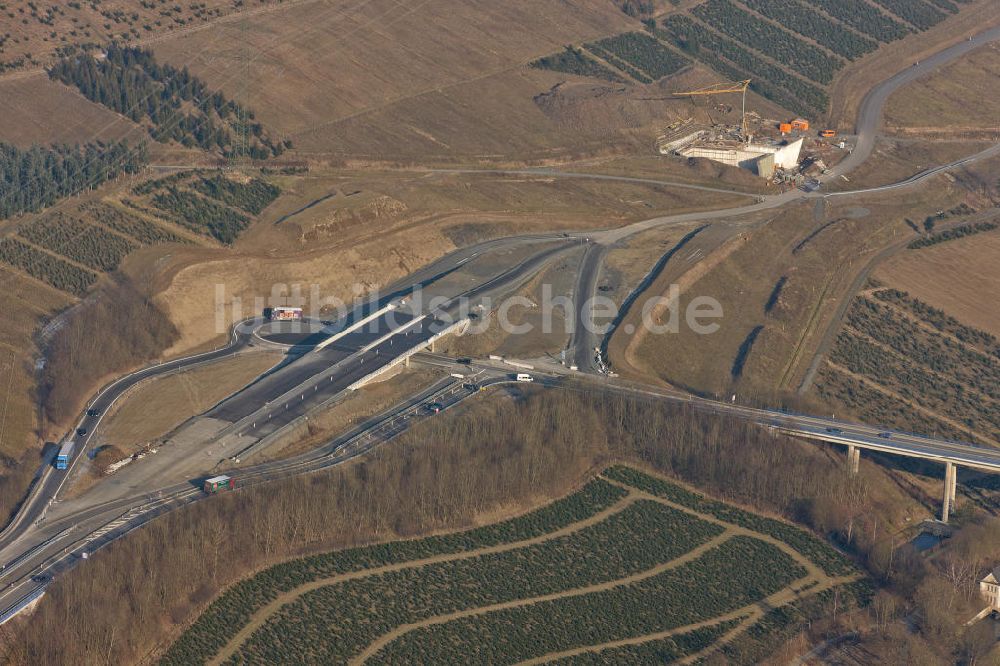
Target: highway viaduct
951, 454
853, 436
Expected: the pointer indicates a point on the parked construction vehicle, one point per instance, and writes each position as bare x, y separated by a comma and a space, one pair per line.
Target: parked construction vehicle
828, 133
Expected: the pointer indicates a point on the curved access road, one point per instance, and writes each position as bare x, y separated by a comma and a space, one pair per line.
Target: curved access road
867, 129
869, 117
48, 481
66, 542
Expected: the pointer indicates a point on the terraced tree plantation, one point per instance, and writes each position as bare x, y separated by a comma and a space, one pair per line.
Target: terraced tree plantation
630, 566
735, 60
793, 50
639, 55
575, 61
797, 17
177, 106
217, 206
71, 247
899, 361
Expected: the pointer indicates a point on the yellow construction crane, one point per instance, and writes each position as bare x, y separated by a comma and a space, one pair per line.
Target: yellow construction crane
722, 88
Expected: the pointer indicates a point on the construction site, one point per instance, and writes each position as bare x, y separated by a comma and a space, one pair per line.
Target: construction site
779, 151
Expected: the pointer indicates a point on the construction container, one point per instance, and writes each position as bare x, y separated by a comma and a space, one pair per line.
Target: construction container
800, 124
217, 483
784, 128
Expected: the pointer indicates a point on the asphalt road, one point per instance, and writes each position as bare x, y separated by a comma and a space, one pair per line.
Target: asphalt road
586, 338
869, 117
300, 389
867, 128
918, 178
49, 481
299, 369
831, 430
327, 372
62, 544
630, 300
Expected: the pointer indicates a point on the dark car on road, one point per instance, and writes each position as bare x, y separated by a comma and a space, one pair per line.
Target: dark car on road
834, 431
885, 435
93, 412
81, 432
434, 407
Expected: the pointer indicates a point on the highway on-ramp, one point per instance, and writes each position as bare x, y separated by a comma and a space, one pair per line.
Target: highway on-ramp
48, 482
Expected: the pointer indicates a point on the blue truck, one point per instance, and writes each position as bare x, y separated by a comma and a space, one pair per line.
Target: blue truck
65, 455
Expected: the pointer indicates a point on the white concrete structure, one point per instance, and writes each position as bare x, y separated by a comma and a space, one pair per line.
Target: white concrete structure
667, 146
755, 157
989, 588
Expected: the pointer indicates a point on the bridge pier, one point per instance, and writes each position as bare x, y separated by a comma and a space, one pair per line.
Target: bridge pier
853, 459
950, 486
431, 346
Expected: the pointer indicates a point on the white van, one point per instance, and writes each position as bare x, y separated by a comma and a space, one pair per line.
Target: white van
524, 377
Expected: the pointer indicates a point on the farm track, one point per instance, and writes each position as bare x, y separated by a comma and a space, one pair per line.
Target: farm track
844, 304
924, 326
748, 615
402, 630
897, 355
814, 571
